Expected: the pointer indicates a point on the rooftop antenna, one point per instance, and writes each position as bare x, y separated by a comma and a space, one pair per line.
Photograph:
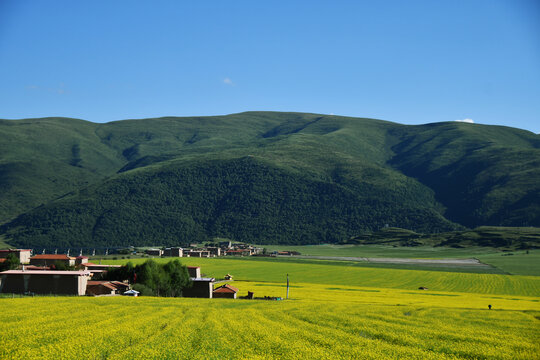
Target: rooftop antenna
106, 252
68, 252
55, 251
80, 253
43, 252
94, 252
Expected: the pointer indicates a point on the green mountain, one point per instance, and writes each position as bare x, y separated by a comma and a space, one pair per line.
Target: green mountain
260, 177
507, 238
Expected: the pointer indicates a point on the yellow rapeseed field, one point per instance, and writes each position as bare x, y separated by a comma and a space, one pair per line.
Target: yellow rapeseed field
320, 321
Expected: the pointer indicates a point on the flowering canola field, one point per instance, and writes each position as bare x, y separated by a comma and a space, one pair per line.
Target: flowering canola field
320, 321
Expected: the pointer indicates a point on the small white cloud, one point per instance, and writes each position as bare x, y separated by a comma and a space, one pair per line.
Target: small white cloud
61, 89
470, 121
228, 81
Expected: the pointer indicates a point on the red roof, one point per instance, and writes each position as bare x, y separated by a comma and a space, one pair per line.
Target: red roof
107, 284
226, 289
113, 285
95, 282
2, 260
52, 257
119, 283
32, 267
46, 272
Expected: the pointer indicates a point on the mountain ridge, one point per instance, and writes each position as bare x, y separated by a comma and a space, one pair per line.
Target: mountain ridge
465, 175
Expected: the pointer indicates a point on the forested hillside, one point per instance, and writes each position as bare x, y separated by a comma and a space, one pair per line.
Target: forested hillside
259, 177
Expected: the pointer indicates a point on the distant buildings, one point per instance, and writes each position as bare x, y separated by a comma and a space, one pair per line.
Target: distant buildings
287, 253
97, 269
79, 260
224, 248
22, 254
154, 252
173, 252
42, 277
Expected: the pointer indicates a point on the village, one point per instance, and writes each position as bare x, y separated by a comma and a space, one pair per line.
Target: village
44, 274
223, 248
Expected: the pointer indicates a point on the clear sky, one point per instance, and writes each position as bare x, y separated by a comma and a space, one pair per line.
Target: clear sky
406, 61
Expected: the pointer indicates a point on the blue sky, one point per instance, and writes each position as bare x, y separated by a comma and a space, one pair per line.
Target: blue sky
410, 62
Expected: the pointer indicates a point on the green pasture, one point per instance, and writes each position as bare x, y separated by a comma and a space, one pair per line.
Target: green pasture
518, 262
515, 262
417, 252
348, 273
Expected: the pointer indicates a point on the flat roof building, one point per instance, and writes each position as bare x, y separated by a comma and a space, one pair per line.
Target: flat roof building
194, 271
201, 288
44, 282
174, 252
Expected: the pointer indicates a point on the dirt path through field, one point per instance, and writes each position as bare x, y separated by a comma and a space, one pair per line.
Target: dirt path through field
441, 262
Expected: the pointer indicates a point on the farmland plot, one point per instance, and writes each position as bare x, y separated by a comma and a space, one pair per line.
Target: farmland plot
319, 321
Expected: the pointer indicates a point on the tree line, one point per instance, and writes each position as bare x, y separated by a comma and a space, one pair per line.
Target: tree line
154, 279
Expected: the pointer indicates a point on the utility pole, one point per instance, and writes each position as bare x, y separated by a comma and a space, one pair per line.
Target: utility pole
287, 286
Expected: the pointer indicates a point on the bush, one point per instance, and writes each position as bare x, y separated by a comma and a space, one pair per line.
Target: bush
60, 265
11, 263
143, 290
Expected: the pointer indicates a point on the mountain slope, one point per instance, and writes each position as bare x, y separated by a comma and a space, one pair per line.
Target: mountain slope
482, 174
41, 159
259, 177
245, 199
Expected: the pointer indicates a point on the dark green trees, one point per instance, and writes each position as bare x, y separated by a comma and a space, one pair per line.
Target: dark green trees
154, 279
12, 262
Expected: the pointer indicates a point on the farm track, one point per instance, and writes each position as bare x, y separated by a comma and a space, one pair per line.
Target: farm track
442, 262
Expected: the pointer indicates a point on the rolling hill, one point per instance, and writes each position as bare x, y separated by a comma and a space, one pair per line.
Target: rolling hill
261, 177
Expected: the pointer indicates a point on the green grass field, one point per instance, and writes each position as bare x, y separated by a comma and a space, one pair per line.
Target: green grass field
334, 311
420, 252
515, 262
349, 274
519, 263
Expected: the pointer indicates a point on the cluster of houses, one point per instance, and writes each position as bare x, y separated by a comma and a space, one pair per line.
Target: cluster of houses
38, 275
225, 248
